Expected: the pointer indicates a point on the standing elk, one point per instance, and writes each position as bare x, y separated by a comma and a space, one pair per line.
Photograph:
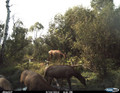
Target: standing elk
56, 54
5, 84
34, 81
63, 72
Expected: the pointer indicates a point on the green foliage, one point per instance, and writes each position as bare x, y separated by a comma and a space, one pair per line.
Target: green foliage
35, 28
1, 30
40, 49
89, 38
38, 43
100, 5
15, 45
117, 84
38, 67
74, 60
94, 39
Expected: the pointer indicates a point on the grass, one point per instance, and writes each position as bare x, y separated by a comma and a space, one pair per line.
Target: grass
12, 73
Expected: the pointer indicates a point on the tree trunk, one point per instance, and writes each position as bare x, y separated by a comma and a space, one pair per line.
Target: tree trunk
5, 33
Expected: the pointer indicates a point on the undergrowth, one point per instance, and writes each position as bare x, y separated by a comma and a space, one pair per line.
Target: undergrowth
93, 81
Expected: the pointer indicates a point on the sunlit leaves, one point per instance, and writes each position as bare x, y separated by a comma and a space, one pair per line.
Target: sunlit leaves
16, 44
88, 34
35, 28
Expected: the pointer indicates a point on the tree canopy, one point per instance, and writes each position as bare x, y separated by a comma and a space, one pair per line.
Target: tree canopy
90, 36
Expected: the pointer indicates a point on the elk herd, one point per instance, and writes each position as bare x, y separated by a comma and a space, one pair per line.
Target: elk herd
35, 82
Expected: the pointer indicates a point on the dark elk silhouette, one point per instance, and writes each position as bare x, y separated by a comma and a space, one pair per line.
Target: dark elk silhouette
56, 54
63, 72
34, 81
4, 84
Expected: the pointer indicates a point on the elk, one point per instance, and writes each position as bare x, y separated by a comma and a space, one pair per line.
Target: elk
63, 72
5, 84
56, 53
23, 76
34, 81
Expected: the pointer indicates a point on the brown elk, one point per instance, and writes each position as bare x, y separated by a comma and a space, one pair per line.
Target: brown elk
5, 84
63, 72
23, 76
56, 54
34, 81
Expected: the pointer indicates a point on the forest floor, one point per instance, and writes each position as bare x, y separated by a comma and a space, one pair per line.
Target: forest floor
12, 73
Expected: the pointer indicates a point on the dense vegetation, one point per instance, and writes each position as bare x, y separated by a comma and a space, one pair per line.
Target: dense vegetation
89, 37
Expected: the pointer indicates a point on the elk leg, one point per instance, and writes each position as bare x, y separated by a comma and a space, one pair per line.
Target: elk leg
21, 86
61, 83
57, 83
59, 57
27, 89
69, 83
50, 80
50, 56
